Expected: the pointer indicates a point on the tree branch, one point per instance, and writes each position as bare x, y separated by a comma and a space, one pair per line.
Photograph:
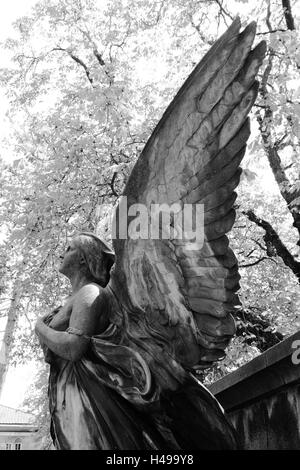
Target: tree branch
287, 10
289, 192
259, 244
223, 11
114, 192
273, 155
281, 30
78, 61
268, 17
198, 29
272, 238
9, 331
256, 262
95, 49
264, 127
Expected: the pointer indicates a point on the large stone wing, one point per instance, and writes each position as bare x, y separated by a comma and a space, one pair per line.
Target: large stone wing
178, 297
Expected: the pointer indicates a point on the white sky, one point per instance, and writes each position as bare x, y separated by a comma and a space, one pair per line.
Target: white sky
18, 378
10, 10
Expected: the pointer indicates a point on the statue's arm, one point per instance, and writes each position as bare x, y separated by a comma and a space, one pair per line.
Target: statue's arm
60, 321
71, 345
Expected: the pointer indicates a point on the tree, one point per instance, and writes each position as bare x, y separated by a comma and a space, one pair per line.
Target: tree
86, 111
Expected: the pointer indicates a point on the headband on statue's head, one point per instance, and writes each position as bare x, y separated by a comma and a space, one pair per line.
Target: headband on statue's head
104, 246
98, 264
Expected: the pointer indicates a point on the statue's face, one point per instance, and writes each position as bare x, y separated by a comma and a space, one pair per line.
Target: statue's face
71, 260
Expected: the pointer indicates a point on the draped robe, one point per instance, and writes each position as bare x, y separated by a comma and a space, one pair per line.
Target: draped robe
107, 401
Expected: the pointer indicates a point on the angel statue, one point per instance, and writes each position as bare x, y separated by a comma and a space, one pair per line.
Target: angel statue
141, 322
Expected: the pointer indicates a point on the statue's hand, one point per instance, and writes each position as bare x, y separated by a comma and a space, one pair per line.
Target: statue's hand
61, 318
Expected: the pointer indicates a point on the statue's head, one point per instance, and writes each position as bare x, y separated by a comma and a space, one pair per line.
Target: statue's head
89, 255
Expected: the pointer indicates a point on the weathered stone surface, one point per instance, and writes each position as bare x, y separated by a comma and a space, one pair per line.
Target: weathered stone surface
262, 399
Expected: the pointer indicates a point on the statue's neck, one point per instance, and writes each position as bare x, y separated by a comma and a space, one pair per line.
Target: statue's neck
78, 280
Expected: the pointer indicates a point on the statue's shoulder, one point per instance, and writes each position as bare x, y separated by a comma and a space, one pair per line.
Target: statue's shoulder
94, 296
88, 293
84, 301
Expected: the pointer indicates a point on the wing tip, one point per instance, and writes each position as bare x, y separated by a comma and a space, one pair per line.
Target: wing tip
259, 51
262, 46
251, 26
231, 33
236, 23
248, 34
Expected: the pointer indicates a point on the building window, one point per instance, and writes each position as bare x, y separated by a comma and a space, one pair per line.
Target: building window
18, 444
8, 447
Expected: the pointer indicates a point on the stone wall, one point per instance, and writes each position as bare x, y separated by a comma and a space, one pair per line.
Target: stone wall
262, 399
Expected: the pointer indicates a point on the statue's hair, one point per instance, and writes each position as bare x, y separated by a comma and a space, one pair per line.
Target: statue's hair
98, 256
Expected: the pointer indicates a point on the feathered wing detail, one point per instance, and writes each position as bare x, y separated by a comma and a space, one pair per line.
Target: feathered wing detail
177, 296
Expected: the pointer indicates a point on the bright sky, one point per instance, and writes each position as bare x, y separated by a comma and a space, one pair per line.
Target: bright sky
10, 10
18, 378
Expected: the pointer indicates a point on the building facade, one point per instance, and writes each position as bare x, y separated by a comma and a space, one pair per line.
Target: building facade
18, 430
